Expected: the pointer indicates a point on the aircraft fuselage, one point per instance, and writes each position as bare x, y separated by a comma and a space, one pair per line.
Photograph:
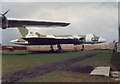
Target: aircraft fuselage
53, 40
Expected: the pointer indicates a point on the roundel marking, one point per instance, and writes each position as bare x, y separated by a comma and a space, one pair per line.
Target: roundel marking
93, 38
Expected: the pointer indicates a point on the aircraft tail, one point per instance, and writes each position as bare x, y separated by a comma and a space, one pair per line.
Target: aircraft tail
28, 34
23, 31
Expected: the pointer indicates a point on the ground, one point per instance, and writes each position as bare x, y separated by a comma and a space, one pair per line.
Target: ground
33, 66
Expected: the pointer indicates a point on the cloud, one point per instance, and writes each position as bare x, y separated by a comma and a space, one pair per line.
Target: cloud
60, 0
84, 18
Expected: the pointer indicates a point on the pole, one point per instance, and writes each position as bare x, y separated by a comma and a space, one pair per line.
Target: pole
118, 44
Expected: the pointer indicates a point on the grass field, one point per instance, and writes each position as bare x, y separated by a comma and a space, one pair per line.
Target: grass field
20, 60
103, 59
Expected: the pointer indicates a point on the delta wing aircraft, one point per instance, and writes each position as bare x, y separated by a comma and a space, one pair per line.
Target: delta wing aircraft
13, 23
35, 38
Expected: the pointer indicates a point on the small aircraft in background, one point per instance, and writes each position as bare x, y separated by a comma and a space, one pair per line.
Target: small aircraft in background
35, 38
13, 23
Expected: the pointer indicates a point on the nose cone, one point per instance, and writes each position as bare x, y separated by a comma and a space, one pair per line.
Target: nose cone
101, 40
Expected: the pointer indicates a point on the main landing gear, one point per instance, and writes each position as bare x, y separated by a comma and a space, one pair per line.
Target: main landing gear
59, 50
52, 49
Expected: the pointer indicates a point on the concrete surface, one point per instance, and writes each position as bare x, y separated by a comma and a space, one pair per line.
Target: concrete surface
115, 75
104, 71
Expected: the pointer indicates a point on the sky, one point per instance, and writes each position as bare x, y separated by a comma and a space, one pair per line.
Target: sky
99, 18
60, 0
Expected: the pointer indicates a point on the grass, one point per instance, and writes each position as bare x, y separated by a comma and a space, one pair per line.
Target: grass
67, 76
103, 59
19, 60
115, 60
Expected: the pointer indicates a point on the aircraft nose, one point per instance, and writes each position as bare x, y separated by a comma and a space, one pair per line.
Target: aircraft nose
101, 40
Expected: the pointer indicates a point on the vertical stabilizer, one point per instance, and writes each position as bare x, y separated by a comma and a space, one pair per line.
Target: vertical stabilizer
23, 31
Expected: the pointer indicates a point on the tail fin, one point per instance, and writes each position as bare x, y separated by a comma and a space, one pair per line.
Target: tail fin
23, 31
38, 34
26, 33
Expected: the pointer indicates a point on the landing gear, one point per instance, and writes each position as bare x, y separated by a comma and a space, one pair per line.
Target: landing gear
52, 49
82, 48
59, 50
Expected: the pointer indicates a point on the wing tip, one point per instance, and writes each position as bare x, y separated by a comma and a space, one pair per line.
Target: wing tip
66, 24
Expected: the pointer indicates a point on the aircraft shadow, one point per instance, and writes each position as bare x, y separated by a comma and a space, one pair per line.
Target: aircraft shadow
48, 52
37, 52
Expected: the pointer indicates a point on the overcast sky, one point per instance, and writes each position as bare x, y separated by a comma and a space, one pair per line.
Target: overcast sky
99, 18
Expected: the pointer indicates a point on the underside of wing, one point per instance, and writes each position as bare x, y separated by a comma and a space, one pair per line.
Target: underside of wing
81, 38
29, 23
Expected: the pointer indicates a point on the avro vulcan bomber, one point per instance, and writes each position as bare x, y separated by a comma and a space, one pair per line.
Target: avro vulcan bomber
35, 38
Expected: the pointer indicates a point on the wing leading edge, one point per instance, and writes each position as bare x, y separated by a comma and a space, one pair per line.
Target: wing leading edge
23, 23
